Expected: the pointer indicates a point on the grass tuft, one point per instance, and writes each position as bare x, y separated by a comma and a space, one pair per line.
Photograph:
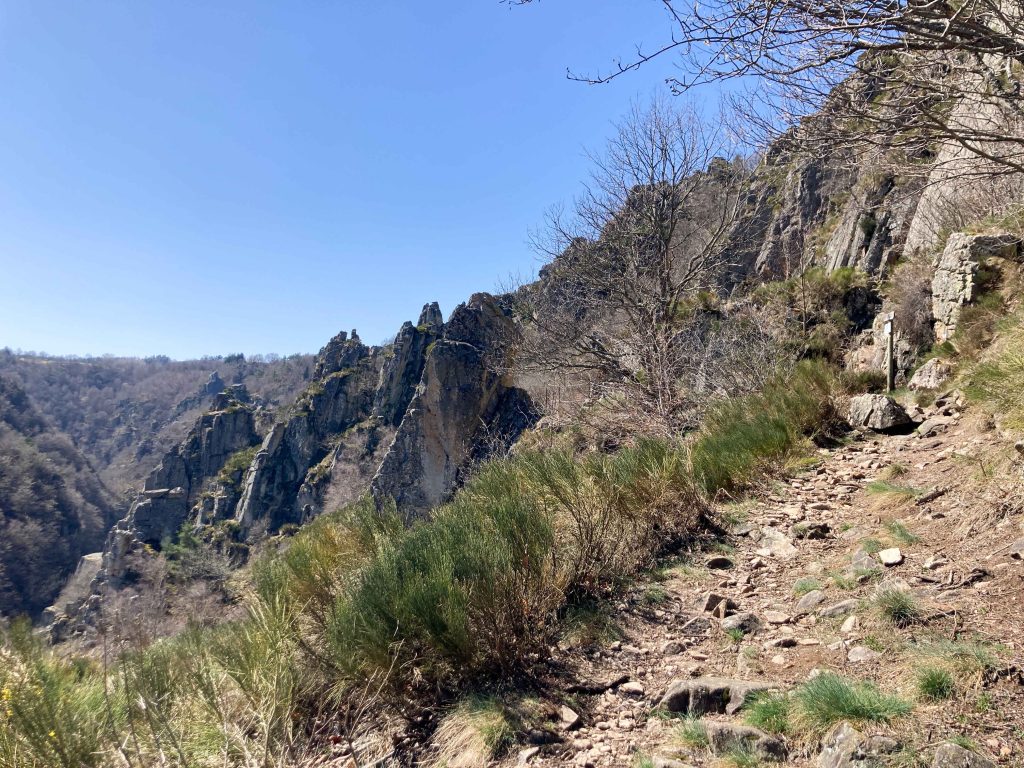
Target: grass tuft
828, 699
770, 712
935, 684
692, 733
898, 607
898, 531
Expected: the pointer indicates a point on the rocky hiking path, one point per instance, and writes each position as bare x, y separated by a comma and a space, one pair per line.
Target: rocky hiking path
789, 594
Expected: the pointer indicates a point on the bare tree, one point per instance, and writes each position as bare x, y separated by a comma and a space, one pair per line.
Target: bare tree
912, 75
623, 307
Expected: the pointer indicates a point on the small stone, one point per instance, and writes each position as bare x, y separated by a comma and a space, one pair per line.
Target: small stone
568, 719
809, 602
840, 609
891, 557
955, 756
671, 648
1017, 549
861, 653
850, 625
632, 689
776, 617
709, 601
525, 755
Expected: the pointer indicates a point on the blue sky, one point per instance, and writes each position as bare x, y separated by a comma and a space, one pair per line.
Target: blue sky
190, 178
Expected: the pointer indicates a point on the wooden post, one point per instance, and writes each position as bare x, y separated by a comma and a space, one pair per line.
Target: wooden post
890, 358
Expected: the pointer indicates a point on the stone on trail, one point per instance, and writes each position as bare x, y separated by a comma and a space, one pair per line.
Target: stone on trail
879, 413
774, 543
569, 719
724, 738
809, 602
861, 653
891, 557
1017, 549
840, 609
710, 695
747, 622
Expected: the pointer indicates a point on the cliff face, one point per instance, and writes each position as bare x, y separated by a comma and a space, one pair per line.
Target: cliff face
832, 211
462, 409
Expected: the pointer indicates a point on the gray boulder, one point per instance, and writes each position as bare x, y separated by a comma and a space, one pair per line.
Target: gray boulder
729, 737
879, 413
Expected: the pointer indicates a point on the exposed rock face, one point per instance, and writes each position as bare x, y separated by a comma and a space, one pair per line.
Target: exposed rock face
823, 211
932, 375
956, 270
462, 406
877, 412
340, 399
402, 371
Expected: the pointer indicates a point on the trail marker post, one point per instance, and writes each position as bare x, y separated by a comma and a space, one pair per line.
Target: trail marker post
890, 358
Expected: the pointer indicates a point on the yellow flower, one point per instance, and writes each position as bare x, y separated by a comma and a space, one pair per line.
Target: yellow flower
53, 734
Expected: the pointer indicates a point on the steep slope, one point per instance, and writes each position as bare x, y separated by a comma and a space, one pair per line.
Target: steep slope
53, 507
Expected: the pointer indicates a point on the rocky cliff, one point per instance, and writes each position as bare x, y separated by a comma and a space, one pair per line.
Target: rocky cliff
463, 409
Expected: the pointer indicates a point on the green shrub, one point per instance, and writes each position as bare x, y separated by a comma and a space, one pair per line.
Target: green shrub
743, 438
54, 711
828, 699
479, 586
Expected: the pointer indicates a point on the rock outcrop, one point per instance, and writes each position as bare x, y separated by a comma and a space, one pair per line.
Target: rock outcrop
956, 270
402, 370
174, 486
932, 375
462, 409
340, 398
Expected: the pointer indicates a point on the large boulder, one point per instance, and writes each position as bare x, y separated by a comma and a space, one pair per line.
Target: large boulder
879, 413
956, 269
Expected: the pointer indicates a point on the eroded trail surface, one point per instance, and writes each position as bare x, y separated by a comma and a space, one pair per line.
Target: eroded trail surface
793, 592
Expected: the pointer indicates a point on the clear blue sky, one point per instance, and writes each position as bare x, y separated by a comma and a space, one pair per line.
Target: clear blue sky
190, 178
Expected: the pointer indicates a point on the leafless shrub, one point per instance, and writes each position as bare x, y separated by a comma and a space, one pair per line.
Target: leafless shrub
627, 306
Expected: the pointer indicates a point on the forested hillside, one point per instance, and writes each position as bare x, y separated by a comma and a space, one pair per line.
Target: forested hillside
124, 413
54, 507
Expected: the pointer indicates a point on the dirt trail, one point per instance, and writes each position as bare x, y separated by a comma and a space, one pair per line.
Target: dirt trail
814, 532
